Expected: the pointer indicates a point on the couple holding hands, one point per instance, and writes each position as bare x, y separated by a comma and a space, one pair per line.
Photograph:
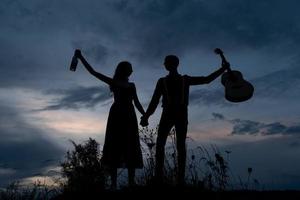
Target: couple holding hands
122, 146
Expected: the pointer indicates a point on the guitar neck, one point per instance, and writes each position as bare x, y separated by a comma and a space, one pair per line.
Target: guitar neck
224, 60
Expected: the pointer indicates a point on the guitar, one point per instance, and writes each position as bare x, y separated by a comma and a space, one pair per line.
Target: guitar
236, 88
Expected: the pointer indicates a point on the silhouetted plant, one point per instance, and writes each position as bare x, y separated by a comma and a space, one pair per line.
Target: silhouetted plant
37, 191
249, 175
251, 183
203, 170
83, 170
11, 192
148, 139
171, 162
208, 172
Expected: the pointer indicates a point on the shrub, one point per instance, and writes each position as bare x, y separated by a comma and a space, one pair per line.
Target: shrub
83, 170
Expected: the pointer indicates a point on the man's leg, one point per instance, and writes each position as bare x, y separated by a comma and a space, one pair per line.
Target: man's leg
181, 131
162, 135
131, 176
113, 176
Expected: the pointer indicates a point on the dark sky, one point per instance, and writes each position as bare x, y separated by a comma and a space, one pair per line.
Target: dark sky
43, 104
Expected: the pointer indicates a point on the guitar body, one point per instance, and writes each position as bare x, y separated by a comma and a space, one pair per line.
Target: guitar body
236, 88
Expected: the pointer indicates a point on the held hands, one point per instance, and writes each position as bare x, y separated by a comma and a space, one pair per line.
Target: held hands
144, 121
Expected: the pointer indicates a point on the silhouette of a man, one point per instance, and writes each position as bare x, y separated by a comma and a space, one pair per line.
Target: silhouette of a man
174, 89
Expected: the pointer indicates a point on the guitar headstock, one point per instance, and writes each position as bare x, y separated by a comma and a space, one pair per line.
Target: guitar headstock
218, 51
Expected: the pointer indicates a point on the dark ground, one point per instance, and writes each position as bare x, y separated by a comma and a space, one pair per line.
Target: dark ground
185, 193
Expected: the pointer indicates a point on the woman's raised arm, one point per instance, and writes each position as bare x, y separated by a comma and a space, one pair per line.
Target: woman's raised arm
98, 75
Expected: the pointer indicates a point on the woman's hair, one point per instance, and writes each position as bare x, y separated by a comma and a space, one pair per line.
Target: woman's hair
122, 72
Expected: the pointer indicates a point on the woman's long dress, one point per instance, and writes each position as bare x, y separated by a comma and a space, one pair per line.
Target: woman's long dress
122, 145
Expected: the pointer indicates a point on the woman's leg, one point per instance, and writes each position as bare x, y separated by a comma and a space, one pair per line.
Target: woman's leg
131, 176
113, 176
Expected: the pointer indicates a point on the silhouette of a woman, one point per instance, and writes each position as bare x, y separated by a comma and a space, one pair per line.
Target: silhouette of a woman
122, 145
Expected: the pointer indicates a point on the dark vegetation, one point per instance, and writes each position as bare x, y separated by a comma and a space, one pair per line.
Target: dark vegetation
207, 175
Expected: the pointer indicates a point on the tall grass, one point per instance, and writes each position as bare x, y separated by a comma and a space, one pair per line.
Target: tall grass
204, 169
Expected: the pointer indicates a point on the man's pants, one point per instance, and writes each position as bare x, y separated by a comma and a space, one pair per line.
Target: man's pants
178, 118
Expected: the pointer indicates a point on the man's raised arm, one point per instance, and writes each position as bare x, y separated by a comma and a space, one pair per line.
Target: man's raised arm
198, 80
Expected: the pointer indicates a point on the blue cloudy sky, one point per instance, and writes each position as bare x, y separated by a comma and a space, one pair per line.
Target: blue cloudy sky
43, 104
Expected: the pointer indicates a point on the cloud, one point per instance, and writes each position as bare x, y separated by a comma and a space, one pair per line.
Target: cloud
180, 26
79, 97
38, 37
92, 48
23, 147
242, 127
250, 127
7, 172
208, 97
218, 116
279, 84
151, 29
293, 129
